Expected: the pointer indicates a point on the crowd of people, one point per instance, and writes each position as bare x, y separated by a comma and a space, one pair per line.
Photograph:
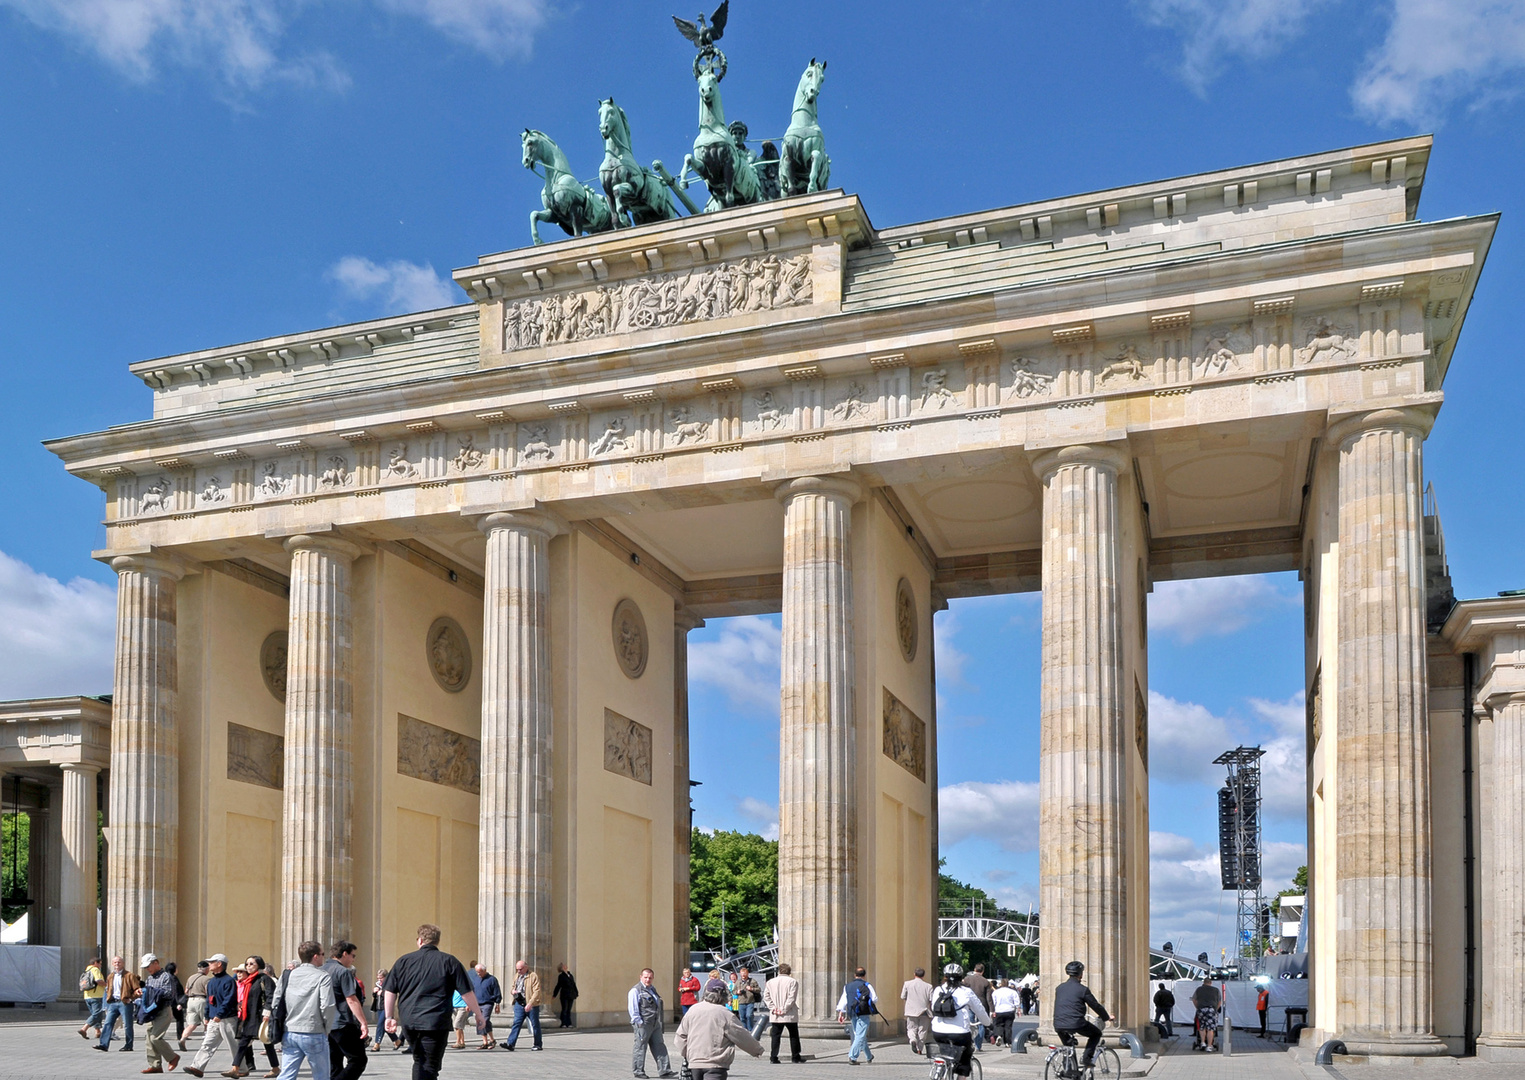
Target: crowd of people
316, 1010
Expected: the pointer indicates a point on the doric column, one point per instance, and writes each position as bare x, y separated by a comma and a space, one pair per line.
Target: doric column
1082, 869
77, 872
317, 873
1505, 1029
818, 789
145, 777
1382, 873
514, 878
682, 820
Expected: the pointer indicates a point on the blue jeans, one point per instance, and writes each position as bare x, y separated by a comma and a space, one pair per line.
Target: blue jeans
860, 1039
117, 1010
746, 1014
97, 1006
312, 1045
520, 1012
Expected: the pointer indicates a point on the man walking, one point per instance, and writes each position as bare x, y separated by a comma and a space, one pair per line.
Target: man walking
857, 1006
645, 1007
976, 982
156, 1008
347, 1036
917, 995
489, 996
1207, 1000
195, 1002
418, 991
92, 986
708, 1037
526, 1005
311, 1009
122, 989
781, 997
222, 1014
1164, 1005
747, 995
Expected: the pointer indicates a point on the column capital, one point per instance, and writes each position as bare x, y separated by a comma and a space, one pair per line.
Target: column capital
842, 486
685, 619
156, 563
535, 521
1416, 419
1502, 699
85, 768
1113, 457
327, 543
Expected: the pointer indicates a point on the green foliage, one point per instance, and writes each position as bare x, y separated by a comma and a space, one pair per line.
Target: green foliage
1299, 888
740, 870
968, 953
15, 851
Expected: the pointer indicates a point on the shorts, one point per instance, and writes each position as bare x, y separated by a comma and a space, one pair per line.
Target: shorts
462, 1015
1207, 1017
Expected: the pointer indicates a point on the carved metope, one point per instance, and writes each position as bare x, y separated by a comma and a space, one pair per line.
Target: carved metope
429, 752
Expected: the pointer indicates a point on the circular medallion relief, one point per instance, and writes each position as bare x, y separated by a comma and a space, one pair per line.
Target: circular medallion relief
449, 654
272, 664
905, 619
630, 647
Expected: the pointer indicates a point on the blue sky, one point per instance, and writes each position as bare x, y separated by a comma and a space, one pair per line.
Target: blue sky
179, 174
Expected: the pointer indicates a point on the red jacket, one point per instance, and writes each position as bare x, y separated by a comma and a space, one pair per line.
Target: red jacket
688, 989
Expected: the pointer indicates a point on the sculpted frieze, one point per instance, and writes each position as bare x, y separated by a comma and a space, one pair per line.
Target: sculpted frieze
703, 293
1327, 341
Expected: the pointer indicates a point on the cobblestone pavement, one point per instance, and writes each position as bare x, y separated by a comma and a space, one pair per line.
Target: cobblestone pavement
50, 1048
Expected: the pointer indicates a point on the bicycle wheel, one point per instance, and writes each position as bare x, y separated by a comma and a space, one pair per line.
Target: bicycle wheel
1107, 1066
979, 1070
1053, 1068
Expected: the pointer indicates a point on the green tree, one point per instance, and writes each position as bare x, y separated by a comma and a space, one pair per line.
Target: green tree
15, 852
1299, 888
740, 871
990, 953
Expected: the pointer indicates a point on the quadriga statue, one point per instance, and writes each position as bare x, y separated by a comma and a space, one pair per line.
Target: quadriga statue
568, 202
805, 167
637, 196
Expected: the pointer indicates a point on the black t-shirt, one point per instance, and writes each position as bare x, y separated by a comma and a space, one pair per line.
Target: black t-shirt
1071, 1000
345, 985
424, 982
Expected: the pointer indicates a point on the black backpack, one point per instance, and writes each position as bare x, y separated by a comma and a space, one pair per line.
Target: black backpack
943, 1004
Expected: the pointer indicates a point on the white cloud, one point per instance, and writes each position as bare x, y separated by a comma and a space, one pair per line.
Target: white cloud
497, 28
1006, 812
1217, 32
1210, 607
951, 660
401, 286
1184, 737
1187, 903
743, 662
57, 639
242, 40
1283, 770
760, 813
1438, 53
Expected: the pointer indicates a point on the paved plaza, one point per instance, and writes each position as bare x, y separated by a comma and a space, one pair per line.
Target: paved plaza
50, 1048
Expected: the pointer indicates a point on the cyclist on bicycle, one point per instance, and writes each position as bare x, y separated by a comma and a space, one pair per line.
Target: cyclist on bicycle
1071, 1001
955, 1008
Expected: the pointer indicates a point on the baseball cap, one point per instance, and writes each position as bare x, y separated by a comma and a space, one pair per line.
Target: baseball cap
148, 958
217, 957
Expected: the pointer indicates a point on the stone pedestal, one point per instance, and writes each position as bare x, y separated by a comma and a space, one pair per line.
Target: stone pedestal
77, 873
1082, 866
818, 791
682, 817
145, 775
317, 884
514, 879
1383, 938
1503, 1037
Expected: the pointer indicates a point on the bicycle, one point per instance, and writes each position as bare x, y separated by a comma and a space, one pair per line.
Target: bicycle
1062, 1064
942, 1064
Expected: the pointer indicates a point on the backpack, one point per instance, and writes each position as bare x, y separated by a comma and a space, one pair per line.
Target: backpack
943, 1004
859, 1001
88, 981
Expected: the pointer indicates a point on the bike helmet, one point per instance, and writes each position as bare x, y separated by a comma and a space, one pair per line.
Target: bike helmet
953, 971
1074, 967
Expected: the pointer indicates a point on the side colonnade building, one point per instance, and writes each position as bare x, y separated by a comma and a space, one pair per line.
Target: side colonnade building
404, 604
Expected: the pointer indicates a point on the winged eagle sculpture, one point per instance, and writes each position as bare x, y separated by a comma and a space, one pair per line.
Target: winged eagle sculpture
704, 37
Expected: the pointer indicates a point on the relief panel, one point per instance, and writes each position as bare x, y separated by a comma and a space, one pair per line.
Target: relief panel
438, 755
905, 737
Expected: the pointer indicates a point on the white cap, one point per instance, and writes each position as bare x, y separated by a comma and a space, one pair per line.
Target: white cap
218, 958
148, 958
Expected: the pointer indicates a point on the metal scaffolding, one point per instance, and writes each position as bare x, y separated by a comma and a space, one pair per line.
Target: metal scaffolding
1239, 850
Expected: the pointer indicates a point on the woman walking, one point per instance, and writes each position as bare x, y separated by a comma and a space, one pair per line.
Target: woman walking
256, 993
379, 1003
565, 992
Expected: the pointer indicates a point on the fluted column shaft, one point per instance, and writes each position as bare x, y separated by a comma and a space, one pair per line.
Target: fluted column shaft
818, 790
682, 819
317, 871
145, 779
1506, 967
1082, 867
77, 872
514, 891
1382, 873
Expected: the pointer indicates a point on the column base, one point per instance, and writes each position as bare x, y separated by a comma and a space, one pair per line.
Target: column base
1379, 1045
825, 1029
1501, 1048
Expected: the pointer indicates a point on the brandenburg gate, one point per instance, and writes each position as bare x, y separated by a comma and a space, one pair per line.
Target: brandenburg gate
404, 604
